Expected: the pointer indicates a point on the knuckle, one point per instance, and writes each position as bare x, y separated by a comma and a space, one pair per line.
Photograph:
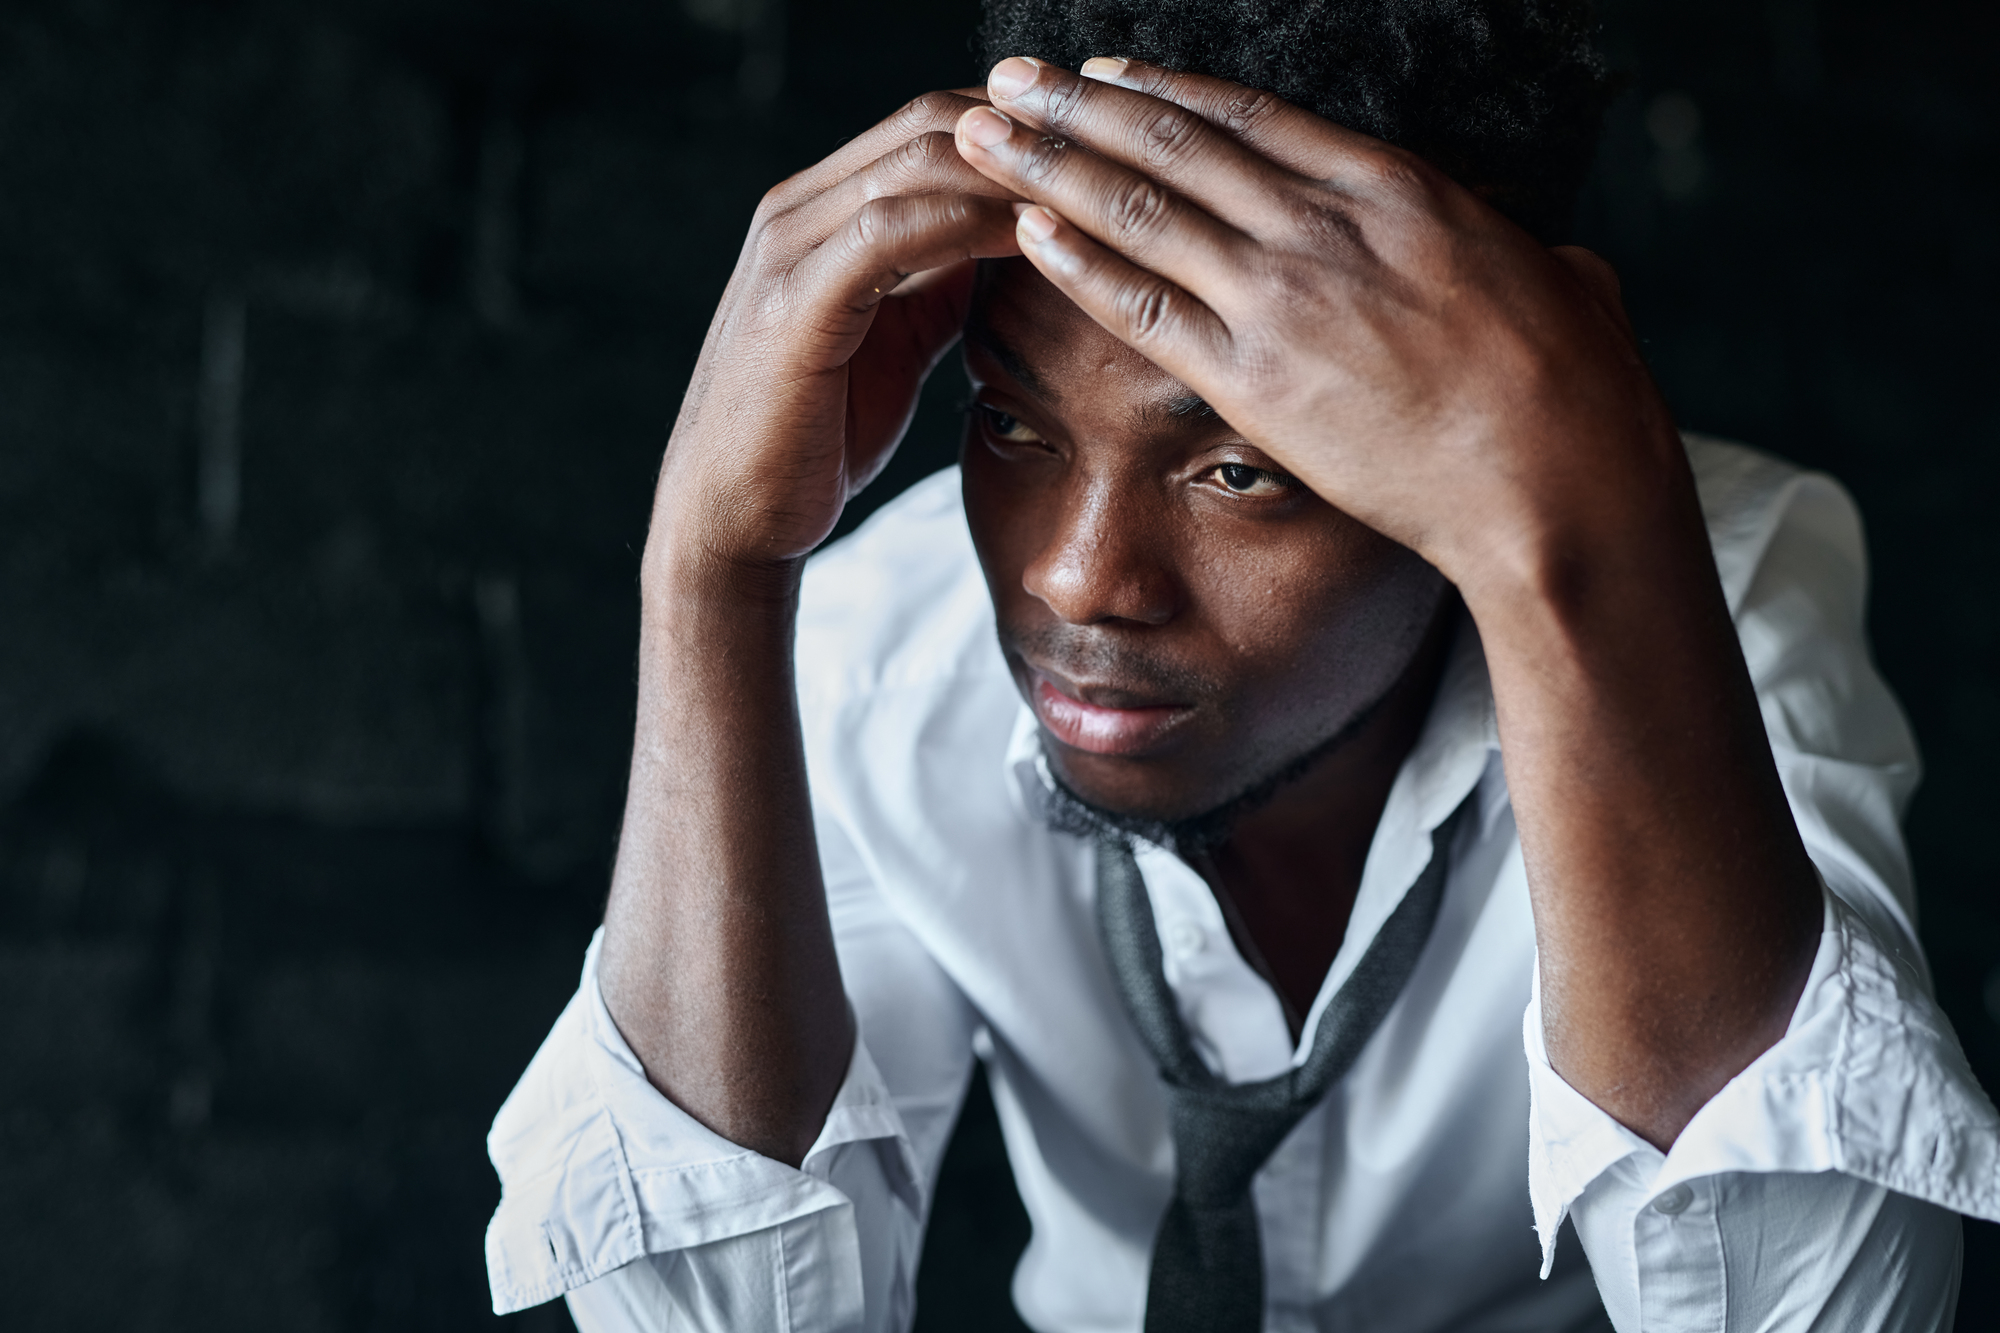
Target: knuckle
874, 222
1167, 137
931, 110
925, 154
1061, 102
765, 249
1394, 171
1149, 312
898, 168
1245, 109
1137, 209
777, 201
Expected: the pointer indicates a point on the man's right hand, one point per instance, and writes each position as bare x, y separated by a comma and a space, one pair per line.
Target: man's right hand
810, 371
718, 963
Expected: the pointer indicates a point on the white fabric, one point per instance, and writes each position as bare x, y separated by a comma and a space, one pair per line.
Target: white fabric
1816, 1191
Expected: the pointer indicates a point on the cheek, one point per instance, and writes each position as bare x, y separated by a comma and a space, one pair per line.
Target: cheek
992, 513
1321, 628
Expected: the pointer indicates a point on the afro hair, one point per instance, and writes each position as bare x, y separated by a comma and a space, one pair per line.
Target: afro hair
1505, 96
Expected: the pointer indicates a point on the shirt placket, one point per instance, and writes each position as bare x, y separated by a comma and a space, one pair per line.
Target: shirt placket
1291, 1192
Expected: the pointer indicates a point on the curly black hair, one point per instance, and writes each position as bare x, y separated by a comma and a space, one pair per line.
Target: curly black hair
1505, 96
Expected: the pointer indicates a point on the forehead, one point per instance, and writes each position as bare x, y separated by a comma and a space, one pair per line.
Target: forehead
1053, 349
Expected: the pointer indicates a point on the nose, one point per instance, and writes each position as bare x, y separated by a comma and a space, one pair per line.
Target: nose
1105, 558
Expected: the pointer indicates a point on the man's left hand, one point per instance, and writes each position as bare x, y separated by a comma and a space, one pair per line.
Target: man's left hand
1399, 346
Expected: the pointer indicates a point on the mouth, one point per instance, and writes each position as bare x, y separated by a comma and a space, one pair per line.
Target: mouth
1101, 719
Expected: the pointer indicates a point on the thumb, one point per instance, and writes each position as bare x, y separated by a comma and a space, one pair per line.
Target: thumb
915, 325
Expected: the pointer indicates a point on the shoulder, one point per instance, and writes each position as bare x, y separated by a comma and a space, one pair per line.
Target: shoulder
901, 602
1749, 498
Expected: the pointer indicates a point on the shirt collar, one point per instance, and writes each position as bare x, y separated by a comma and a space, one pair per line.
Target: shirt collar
1029, 781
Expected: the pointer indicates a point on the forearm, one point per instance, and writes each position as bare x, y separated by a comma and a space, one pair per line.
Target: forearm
1675, 908
718, 961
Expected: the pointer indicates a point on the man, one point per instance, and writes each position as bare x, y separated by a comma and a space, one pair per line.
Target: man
1380, 681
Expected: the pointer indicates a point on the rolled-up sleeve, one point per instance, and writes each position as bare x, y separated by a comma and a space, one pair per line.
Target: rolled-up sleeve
647, 1219
1818, 1189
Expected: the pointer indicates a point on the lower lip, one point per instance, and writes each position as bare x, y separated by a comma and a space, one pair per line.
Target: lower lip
1097, 730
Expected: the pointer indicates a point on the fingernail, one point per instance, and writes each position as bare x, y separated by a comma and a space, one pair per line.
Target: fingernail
1038, 223
1013, 76
985, 126
1106, 69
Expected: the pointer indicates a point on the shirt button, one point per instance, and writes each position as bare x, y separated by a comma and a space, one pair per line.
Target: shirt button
1185, 938
1674, 1202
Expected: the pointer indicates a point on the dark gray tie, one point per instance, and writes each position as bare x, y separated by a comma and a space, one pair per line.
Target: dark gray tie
1208, 1262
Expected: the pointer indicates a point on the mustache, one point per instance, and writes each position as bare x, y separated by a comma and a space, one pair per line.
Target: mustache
1106, 657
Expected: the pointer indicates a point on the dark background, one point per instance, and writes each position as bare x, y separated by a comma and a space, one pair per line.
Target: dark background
338, 344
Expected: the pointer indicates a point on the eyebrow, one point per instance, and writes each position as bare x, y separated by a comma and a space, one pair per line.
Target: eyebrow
978, 331
1192, 405
1187, 407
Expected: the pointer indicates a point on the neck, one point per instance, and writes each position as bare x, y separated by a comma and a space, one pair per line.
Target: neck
1288, 875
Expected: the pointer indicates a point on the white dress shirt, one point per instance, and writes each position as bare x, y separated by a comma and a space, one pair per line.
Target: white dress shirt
1817, 1190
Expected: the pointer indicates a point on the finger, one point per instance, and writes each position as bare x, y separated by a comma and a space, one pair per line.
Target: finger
1127, 210
933, 111
836, 289
1155, 318
1291, 136
1153, 136
928, 164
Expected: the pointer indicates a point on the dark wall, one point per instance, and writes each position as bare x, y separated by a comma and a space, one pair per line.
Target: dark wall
338, 343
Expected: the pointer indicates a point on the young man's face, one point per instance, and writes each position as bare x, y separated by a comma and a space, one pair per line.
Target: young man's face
1184, 622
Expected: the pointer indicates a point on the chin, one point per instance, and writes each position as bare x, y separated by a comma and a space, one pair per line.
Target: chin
1188, 803
1148, 790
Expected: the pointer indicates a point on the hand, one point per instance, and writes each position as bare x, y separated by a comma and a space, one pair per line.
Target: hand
1400, 347
1426, 366
811, 368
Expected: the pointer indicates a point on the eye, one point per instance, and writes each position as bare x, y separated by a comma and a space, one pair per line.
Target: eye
1007, 427
1242, 479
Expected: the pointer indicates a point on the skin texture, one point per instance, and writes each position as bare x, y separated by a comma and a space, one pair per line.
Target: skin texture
1407, 400
1127, 571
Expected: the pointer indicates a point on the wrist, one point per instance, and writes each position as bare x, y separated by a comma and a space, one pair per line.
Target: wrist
683, 571
1616, 526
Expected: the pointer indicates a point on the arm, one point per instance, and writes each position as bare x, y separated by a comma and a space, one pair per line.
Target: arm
718, 962
1427, 367
614, 1196
916, 1034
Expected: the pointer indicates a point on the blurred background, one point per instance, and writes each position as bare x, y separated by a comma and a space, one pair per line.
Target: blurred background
339, 340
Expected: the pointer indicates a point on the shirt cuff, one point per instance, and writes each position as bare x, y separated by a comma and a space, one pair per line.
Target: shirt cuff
1868, 1080
597, 1168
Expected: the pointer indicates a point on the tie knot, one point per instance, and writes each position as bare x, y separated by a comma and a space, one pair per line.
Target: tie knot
1223, 1135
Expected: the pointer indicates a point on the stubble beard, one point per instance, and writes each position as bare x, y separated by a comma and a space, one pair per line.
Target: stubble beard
1198, 834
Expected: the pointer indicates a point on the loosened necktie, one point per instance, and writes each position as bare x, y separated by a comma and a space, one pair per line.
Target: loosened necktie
1208, 1263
